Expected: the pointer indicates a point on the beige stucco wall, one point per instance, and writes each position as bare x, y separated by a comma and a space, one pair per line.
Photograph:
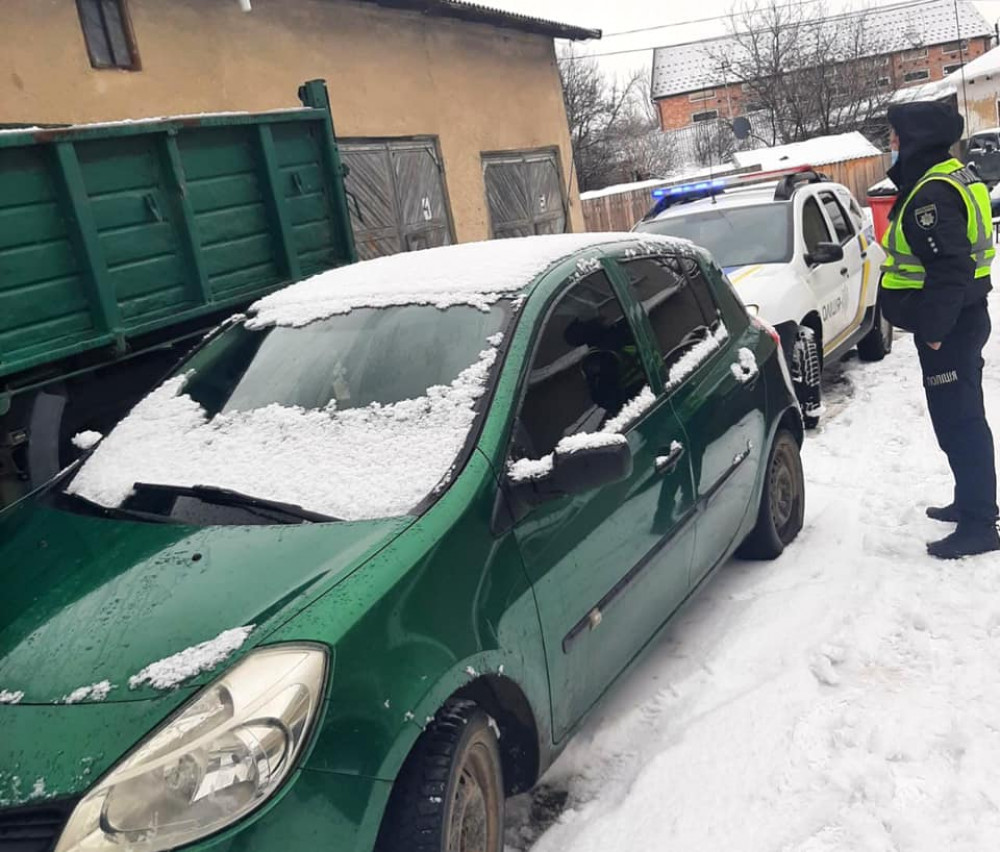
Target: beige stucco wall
390, 73
978, 103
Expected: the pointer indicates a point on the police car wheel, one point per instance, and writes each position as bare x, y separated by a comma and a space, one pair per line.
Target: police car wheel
875, 345
782, 502
806, 368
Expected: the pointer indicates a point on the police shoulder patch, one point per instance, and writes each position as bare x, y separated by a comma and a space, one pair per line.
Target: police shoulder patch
927, 216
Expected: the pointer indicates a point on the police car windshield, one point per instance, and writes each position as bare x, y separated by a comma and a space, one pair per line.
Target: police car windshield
735, 236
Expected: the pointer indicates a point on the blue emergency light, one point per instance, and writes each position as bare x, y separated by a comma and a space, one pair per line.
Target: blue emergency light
688, 188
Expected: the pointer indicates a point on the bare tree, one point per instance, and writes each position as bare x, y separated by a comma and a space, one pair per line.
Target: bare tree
809, 73
614, 132
713, 142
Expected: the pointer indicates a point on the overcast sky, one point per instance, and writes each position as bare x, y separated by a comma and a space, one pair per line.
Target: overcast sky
682, 20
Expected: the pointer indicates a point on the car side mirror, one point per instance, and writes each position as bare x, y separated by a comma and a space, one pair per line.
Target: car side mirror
825, 253
577, 471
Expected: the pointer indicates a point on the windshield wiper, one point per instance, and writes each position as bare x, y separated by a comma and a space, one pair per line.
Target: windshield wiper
227, 497
114, 512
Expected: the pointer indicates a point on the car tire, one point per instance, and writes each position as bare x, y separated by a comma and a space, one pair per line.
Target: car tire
875, 345
782, 502
806, 368
449, 795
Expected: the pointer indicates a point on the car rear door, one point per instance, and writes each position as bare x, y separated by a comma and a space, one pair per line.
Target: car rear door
721, 401
608, 566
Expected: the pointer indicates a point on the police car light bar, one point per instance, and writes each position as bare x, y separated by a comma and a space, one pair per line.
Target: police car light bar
721, 183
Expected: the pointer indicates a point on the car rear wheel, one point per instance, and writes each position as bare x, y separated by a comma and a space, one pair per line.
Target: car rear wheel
449, 796
782, 502
807, 369
875, 345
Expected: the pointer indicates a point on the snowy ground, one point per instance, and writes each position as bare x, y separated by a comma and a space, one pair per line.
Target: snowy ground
845, 697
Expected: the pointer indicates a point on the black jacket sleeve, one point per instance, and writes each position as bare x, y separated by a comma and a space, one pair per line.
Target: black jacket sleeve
936, 227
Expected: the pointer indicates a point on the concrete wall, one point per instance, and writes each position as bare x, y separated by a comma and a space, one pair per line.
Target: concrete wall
390, 73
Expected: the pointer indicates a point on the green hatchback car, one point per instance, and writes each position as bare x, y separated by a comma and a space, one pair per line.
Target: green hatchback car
356, 571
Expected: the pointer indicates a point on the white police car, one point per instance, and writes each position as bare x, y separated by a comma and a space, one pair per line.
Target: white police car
798, 248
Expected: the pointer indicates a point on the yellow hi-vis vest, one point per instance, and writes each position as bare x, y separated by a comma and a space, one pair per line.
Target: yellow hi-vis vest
902, 269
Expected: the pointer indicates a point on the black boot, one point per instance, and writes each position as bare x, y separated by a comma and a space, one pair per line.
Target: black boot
948, 514
967, 540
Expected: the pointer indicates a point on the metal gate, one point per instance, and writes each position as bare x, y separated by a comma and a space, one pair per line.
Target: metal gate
396, 195
525, 193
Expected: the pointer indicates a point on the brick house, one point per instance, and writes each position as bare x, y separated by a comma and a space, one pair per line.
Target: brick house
923, 45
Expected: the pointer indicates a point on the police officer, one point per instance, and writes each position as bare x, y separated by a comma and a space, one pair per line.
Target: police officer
934, 283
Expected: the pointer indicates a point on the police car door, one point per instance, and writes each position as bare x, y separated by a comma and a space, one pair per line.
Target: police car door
828, 281
855, 261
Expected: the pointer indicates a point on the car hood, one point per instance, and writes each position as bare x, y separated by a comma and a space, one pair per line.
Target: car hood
756, 283
89, 601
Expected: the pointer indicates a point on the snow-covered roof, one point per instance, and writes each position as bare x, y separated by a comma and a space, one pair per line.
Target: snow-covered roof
981, 66
820, 151
478, 13
474, 274
689, 67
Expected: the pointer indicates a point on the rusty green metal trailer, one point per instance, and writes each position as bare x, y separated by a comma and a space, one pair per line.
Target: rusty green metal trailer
122, 243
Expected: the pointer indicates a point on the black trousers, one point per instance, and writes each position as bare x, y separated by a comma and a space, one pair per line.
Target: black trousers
953, 382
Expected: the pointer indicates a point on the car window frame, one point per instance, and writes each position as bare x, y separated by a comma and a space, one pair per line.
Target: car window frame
663, 391
629, 306
852, 231
802, 229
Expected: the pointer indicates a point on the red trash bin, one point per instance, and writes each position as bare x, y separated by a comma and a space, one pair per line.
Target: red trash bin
880, 204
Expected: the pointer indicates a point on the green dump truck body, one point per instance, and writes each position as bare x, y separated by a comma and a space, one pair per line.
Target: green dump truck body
121, 238
109, 232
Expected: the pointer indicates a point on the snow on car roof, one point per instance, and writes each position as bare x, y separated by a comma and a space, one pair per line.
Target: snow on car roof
475, 274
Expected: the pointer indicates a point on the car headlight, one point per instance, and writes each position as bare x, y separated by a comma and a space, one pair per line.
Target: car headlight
214, 761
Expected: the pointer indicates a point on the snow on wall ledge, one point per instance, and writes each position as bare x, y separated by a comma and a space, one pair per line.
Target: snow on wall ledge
475, 274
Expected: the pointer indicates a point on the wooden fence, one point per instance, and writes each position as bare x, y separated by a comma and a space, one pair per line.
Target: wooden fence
619, 212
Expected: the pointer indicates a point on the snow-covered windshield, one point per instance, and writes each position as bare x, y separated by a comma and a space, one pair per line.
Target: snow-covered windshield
735, 236
358, 416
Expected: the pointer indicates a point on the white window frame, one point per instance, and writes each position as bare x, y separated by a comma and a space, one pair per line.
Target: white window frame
915, 54
701, 95
951, 69
917, 76
709, 115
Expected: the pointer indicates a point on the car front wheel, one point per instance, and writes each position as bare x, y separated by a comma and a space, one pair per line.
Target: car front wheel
782, 502
449, 796
875, 345
807, 368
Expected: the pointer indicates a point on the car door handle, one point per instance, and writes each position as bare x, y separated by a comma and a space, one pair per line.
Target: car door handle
667, 463
864, 255
844, 271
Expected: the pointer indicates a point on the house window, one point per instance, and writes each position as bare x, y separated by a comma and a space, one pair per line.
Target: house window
912, 55
951, 69
883, 82
703, 95
524, 192
914, 76
108, 33
707, 115
396, 195
954, 47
